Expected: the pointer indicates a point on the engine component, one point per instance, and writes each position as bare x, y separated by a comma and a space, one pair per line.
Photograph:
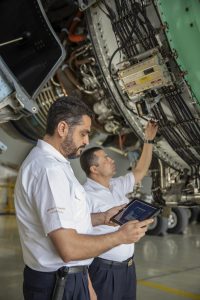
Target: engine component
5, 89
3, 147
33, 126
129, 62
113, 127
85, 4
149, 74
176, 112
29, 61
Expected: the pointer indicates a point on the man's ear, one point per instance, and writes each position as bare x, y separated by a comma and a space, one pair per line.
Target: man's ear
62, 129
93, 170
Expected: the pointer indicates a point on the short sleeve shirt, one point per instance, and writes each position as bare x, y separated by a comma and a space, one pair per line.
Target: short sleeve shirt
101, 199
48, 197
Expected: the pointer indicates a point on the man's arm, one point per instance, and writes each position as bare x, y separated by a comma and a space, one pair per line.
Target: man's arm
145, 159
74, 246
103, 218
98, 218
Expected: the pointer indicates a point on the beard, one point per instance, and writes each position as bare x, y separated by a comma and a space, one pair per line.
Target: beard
74, 154
69, 149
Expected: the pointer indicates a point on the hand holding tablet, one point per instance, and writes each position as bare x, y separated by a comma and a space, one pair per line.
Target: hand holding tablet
136, 210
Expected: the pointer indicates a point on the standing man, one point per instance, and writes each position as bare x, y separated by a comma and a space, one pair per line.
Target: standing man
113, 272
53, 217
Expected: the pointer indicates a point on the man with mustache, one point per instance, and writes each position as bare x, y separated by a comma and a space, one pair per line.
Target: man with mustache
52, 213
113, 272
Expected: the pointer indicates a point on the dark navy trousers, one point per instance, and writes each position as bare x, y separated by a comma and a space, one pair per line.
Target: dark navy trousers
113, 282
40, 285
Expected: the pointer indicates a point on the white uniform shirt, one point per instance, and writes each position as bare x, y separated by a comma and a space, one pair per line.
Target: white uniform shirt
48, 197
101, 199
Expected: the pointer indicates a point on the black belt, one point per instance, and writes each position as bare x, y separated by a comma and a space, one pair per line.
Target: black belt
128, 262
77, 269
70, 270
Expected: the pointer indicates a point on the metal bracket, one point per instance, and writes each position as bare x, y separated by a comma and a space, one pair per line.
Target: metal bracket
3, 147
85, 4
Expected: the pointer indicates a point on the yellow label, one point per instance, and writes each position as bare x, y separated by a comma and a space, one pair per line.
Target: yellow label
145, 79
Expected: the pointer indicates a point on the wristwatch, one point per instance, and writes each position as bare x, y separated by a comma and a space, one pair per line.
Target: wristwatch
149, 141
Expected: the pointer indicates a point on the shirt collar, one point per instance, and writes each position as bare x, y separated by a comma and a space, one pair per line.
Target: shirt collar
96, 185
50, 149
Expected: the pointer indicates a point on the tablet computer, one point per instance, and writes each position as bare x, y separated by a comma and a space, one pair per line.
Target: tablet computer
136, 210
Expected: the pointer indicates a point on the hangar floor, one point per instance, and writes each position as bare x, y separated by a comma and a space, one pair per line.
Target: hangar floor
167, 267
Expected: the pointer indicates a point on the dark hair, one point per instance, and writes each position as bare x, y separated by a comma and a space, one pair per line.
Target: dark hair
88, 159
69, 109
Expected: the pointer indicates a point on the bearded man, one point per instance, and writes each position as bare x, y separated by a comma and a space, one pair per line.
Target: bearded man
53, 217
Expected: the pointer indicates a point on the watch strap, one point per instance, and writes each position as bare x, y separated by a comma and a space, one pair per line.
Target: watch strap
146, 141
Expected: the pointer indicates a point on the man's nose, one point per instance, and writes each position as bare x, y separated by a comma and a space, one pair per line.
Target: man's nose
86, 140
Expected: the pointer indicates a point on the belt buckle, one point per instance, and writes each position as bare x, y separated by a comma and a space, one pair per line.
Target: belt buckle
130, 262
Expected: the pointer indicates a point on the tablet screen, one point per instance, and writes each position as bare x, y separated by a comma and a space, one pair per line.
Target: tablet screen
136, 210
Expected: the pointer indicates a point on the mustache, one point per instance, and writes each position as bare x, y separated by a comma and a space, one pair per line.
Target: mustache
81, 147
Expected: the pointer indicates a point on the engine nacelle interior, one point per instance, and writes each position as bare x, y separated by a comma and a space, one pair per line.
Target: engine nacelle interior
131, 61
